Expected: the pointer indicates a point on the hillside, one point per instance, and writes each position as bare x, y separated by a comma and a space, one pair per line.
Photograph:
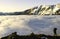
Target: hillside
31, 36
38, 10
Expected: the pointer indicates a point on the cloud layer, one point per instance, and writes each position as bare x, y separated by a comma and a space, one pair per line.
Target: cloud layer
25, 24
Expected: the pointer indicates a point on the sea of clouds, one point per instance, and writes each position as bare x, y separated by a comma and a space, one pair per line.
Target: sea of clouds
25, 24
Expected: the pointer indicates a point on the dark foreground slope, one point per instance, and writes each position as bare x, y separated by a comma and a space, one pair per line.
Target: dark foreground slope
31, 36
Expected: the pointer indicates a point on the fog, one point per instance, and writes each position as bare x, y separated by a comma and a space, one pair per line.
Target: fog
25, 24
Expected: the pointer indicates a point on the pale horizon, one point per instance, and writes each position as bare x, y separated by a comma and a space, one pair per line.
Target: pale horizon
21, 5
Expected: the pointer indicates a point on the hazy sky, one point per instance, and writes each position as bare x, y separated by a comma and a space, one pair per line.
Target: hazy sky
20, 5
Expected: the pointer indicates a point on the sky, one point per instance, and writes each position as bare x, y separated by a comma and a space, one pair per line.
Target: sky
25, 24
20, 5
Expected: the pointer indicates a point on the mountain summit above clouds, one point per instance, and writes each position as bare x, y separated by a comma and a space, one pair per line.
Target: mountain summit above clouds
48, 10
41, 10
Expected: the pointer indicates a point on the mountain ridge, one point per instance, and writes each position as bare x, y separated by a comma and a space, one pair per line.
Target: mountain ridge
41, 10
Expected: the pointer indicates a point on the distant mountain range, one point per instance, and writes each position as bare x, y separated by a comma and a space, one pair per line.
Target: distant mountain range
48, 10
41, 10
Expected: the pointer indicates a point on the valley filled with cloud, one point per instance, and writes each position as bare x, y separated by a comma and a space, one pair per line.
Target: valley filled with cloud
25, 24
